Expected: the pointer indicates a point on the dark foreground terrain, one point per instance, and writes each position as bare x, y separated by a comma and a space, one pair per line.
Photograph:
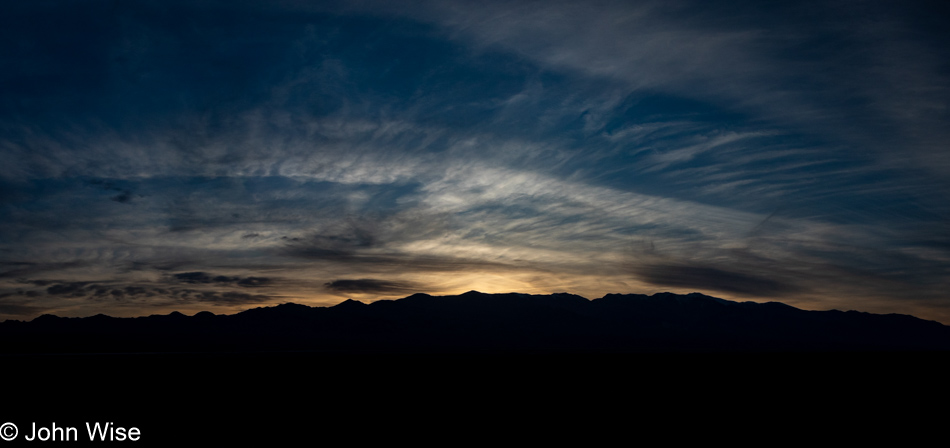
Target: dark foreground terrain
484, 369
489, 323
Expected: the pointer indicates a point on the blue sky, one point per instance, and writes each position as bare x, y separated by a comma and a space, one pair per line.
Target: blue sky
166, 155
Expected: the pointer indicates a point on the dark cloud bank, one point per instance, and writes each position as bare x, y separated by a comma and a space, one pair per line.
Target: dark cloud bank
368, 285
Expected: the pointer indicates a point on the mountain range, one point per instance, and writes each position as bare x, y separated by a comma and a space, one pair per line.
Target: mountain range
476, 322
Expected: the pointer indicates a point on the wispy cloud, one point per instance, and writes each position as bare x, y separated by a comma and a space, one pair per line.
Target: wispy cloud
371, 286
309, 150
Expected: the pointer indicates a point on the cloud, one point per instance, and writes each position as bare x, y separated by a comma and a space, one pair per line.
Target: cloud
124, 196
711, 278
24, 310
372, 286
193, 277
503, 143
204, 278
73, 289
231, 298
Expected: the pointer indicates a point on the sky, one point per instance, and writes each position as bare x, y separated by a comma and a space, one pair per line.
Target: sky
226, 155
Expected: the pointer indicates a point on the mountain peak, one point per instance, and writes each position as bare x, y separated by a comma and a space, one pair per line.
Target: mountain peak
349, 303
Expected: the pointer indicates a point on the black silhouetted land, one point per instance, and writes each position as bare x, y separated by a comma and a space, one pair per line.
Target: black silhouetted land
489, 323
588, 372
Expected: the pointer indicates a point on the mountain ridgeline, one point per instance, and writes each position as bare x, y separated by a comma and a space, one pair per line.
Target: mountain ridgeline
476, 322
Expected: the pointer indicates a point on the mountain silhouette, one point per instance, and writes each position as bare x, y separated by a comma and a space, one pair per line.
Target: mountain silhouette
476, 322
